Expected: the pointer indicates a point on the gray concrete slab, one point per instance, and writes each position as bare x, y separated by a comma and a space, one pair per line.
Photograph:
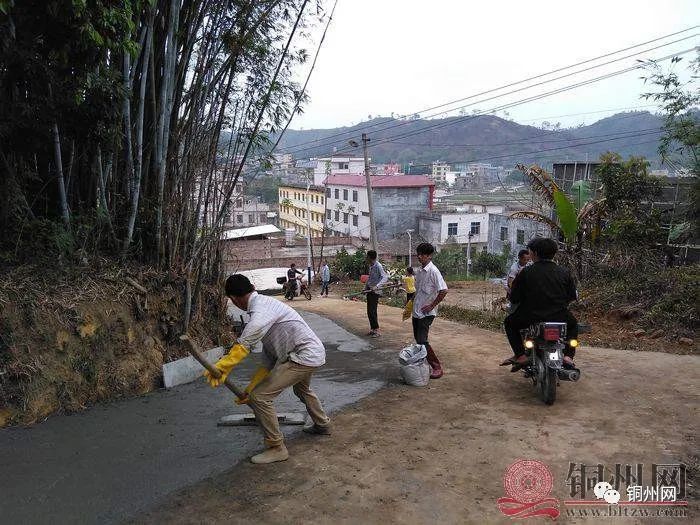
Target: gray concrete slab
108, 463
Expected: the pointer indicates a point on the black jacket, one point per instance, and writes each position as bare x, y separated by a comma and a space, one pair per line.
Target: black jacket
543, 291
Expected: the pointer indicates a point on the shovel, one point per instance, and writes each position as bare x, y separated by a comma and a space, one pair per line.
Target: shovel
287, 418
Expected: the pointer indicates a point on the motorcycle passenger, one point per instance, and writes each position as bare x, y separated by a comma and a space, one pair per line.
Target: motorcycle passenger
292, 278
542, 291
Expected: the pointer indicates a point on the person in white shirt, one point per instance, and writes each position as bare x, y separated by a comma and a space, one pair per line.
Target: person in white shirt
431, 289
292, 352
516, 268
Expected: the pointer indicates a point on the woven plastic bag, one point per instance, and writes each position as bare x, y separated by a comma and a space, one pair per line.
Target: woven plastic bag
412, 354
413, 365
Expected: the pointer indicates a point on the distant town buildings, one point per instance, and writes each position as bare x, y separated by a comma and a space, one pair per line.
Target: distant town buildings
302, 209
398, 202
488, 228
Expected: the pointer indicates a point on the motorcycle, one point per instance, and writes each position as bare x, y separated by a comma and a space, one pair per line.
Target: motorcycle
545, 344
290, 292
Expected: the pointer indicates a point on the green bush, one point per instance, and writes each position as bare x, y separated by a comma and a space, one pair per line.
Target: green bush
348, 265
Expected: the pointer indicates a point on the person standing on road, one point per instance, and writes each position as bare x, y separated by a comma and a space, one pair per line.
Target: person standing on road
292, 352
431, 289
376, 279
325, 277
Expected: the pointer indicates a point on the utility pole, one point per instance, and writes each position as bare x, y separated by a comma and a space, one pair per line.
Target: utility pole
409, 247
308, 230
469, 253
372, 227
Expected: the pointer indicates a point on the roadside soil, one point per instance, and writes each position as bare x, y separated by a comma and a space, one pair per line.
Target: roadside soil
607, 330
438, 454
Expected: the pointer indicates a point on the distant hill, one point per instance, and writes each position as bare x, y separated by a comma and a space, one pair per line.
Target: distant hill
484, 138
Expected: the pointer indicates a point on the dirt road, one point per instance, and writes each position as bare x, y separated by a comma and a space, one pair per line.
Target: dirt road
410, 455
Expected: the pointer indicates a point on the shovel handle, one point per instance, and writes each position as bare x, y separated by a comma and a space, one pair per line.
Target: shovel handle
192, 347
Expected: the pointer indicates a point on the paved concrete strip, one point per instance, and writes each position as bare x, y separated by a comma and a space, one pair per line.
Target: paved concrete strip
187, 369
107, 464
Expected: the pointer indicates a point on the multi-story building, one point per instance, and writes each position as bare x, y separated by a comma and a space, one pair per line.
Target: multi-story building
439, 172
398, 201
326, 166
245, 211
488, 228
302, 209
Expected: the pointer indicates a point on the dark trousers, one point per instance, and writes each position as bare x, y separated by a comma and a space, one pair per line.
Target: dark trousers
421, 329
409, 296
372, 302
518, 320
324, 287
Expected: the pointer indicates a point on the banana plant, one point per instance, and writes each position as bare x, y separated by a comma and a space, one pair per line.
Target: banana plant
572, 218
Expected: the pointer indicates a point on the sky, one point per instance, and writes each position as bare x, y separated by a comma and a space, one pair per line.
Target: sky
403, 56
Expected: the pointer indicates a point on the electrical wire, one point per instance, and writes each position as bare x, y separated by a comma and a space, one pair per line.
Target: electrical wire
296, 148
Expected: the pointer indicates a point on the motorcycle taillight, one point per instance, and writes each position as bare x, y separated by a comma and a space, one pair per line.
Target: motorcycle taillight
551, 334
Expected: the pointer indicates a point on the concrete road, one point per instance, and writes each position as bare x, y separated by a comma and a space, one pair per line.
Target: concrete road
113, 461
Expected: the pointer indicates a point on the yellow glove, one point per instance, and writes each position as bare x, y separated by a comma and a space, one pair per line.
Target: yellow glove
260, 374
224, 365
407, 310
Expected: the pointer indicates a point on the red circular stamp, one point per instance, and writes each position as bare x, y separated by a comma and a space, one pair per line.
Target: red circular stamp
528, 481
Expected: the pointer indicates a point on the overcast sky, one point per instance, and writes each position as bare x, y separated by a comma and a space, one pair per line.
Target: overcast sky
402, 56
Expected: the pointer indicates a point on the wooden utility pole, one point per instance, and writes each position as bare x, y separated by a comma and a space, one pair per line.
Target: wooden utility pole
373, 230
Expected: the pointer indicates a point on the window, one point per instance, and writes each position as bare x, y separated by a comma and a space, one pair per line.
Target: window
345, 218
239, 218
239, 203
345, 195
520, 236
337, 193
328, 214
354, 220
504, 233
251, 217
328, 193
451, 228
475, 228
365, 214
354, 195
337, 216
342, 165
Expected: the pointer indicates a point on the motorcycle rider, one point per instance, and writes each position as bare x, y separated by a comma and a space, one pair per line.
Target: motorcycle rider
292, 278
542, 292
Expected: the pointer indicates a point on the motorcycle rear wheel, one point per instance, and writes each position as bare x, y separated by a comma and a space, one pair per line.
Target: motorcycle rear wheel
307, 294
548, 385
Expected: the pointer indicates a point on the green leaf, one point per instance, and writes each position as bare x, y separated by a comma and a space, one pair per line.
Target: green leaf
581, 193
566, 214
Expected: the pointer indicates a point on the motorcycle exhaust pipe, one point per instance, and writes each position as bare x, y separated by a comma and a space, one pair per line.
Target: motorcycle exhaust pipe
571, 374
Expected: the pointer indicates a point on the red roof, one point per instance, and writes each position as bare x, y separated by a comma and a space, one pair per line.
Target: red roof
381, 181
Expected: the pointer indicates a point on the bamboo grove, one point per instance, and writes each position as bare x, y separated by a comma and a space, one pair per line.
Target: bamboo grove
111, 118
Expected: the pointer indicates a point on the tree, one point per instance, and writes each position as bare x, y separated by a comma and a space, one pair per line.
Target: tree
681, 132
111, 115
628, 190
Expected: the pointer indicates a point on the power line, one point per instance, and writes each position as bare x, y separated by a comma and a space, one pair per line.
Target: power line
525, 141
457, 120
370, 126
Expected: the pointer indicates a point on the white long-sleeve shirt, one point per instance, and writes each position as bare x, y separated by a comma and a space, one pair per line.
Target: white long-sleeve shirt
429, 282
284, 334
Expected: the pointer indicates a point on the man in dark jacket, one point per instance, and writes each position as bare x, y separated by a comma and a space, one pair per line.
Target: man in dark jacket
542, 292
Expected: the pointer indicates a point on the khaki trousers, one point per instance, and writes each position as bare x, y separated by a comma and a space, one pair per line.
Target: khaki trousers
282, 376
